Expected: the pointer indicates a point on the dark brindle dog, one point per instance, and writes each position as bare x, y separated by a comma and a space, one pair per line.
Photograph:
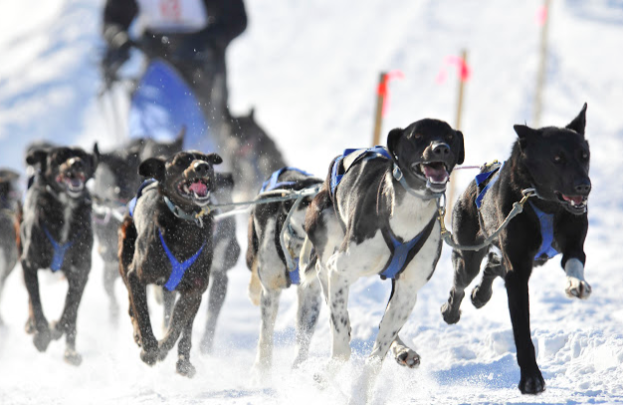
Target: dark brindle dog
168, 242
56, 233
115, 183
381, 219
10, 214
553, 161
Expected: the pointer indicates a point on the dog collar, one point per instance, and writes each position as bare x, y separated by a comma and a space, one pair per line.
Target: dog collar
400, 178
196, 217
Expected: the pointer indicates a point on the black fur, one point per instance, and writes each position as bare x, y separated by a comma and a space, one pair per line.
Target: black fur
555, 161
143, 260
58, 202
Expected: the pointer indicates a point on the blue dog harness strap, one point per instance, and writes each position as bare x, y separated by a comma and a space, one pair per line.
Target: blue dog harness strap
139, 193
177, 269
482, 179
403, 252
546, 250
295, 275
59, 251
338, 171
273, 182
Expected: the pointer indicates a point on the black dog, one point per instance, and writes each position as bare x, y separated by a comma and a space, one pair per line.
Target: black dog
10, 215
168, 241
554, 162
56, 233
381, 219
115, 183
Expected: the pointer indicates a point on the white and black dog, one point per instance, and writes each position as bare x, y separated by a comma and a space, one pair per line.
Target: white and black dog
267, 261
554, 163
377, 215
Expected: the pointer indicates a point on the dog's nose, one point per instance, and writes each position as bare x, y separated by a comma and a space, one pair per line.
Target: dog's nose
583, 187
201, 168
441, 149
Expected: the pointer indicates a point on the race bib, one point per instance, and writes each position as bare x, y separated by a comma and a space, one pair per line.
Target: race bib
166, 16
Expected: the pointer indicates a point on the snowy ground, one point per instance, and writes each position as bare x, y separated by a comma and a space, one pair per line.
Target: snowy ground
310, 69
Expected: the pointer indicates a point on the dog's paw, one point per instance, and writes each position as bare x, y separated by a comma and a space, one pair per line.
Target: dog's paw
480, 297
450, 316
578, 288
72, 357
532, 383
185, 368
42, 339
56, 330
30, 326
149, 357
408, 358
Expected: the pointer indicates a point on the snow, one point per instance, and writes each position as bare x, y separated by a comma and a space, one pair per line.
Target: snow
310, 69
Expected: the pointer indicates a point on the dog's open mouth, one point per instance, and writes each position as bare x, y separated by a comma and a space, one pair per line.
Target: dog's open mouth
434, 173
73, 182
574, 203
196, 189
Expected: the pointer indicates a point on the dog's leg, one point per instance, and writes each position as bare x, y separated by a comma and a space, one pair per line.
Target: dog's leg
519, 305
184, 366
255, 285
168, 301
481, 294
466, 268
216, 298
111, 273
400, 306
338, 289
42, 335
77, 279
140, 316
576, 284
184, 311
269, 307
307, 316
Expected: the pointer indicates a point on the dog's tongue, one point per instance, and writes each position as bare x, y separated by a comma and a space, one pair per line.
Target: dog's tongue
576, 199
199, 189
435, 172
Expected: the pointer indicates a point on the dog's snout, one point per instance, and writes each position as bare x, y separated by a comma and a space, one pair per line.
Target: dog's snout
201, 168
441, 149
583, 187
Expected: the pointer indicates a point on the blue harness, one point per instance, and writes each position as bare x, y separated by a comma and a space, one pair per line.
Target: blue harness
177, 269
59, 250
273, 182
401, 252
546, 221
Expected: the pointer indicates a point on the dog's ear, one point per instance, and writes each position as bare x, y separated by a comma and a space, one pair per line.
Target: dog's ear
525, 134
179, 140
37, 156
152, 168
461, 159
252, 114
214, 158
96, 157
8, 175
392, 140
579, 123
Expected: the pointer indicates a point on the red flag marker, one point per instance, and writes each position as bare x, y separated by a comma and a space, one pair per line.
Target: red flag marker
383, 89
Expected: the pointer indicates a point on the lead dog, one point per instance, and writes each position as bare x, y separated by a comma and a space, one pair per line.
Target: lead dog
554, 162
10, 214
167, 241
56, 233
381, 219
266, 260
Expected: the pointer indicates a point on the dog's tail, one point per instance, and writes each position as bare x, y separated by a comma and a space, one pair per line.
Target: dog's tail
255, 286
127, 242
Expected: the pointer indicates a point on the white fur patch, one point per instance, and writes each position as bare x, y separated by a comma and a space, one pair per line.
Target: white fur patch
576, 284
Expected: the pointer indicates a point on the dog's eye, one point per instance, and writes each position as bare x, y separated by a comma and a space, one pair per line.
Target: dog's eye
450, 137
585, 156
558, 159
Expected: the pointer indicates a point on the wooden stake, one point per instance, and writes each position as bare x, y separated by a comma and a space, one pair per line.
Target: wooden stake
378, 116
540, 79
457, 125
